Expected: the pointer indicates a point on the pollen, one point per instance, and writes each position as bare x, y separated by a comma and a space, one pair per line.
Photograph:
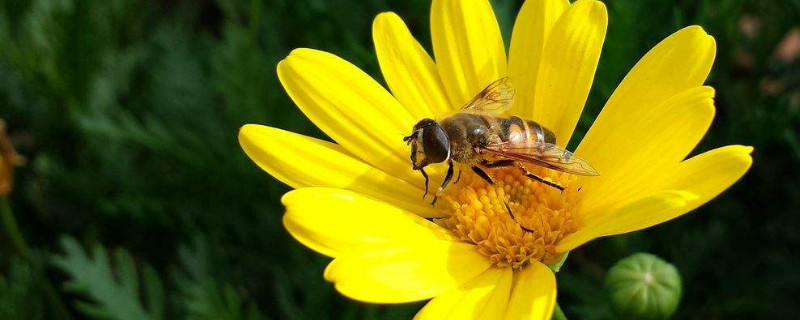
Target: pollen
541, 215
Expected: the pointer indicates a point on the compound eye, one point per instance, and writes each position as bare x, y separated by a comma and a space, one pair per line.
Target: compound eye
435, 144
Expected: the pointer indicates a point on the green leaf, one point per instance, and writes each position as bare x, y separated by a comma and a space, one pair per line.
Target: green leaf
203, 297
154, 292
112, 288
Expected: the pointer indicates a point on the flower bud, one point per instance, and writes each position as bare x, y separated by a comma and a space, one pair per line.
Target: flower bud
642, 286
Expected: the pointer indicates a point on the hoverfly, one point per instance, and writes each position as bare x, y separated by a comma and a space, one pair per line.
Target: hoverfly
477, 136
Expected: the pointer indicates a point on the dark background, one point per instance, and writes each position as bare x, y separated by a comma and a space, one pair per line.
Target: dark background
137, 202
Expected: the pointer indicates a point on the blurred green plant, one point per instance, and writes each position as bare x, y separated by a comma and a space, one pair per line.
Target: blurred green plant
19, 294
127, 112
201, 296
119, 288
113, 291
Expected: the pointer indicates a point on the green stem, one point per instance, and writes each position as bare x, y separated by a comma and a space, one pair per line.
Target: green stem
12, 230
18, 243
558, 314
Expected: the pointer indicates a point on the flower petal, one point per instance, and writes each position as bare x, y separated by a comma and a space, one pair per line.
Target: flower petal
301, 161
534, 294
637, 150
657, 204
567, 67
486, 297
534, 23
468, 47
693, 183
667, 76
678, 63
351, 108
335, 222
409, 71
411, 272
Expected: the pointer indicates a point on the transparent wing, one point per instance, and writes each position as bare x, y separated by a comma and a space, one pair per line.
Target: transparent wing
495, 99
545, 155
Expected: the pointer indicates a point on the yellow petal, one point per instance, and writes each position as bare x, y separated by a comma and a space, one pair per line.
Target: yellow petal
336, 222
534, 294
486, 297
410, 272
680, 62
636, 150
711, 172
409, 71
351, 108
657, 204
301, 161
468, 47
665, 77
690, 185
534, 23
567, 67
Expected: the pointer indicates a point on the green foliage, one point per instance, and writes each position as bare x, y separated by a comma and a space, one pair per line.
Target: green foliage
201, 296
114, 289
111, 285
582, 296
127, 112
19, 293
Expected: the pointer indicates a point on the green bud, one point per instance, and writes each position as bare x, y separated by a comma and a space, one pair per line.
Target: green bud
642, 286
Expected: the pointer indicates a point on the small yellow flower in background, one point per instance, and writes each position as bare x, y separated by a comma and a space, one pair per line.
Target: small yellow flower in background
359, 201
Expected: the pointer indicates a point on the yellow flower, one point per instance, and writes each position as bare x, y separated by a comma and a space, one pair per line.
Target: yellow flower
359, 202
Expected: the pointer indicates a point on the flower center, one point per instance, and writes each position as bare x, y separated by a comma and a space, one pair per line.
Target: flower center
542, 215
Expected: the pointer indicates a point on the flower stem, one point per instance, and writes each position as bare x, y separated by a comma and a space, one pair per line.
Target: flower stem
18, 243
558, 314
12, 230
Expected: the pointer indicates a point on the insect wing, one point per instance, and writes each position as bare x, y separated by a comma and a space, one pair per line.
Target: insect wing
495, 99
545, 155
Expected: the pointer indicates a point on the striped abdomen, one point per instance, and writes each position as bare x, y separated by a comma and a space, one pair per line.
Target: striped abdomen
519, 132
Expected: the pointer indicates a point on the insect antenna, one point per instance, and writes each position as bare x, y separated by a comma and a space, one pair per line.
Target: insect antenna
410, 138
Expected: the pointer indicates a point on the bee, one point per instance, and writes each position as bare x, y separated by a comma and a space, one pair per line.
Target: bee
478, 137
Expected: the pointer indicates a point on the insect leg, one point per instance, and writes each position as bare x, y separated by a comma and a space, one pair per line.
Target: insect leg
447, 177
422, 170
458, 177
510, 213
505, 163
538, 178
482, 174
485, 176
498, 163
